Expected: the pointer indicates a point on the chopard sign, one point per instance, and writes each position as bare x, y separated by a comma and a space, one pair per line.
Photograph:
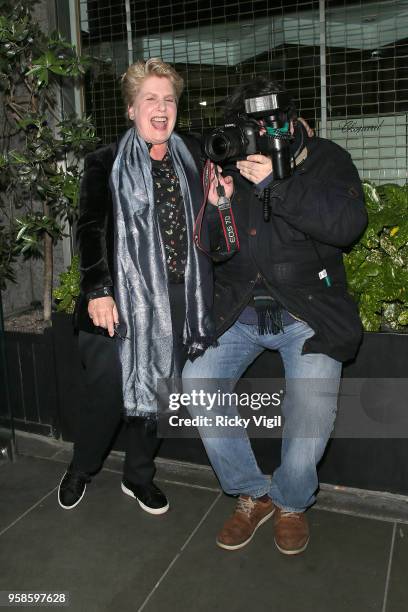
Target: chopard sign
354, 127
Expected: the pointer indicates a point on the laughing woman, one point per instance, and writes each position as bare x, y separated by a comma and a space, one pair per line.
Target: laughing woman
146, 292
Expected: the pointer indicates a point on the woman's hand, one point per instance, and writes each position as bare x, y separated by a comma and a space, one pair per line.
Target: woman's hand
255, 168
226, 181
309, 131
103, 313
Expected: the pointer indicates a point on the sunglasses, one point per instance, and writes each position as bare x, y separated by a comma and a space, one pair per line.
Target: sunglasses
120, 330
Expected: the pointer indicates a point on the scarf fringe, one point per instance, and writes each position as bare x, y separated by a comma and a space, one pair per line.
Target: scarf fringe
148, 419
196, 345
269, 320
133, 416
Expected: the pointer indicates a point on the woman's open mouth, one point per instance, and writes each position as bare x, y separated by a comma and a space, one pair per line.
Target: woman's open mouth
159, 123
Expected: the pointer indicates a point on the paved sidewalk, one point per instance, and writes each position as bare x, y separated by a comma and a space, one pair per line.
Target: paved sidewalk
111, 556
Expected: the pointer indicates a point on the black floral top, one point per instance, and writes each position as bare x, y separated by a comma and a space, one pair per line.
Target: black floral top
172, 220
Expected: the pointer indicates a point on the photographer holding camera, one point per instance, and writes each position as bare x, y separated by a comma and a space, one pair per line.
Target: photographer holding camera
284, 208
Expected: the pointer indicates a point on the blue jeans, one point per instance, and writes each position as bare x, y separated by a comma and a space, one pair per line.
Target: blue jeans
309, 405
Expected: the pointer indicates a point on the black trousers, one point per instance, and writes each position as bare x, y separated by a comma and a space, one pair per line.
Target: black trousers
100, 421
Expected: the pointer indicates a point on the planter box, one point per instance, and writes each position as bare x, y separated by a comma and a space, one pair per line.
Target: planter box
373, 464
377, 464
48, 391
32, 382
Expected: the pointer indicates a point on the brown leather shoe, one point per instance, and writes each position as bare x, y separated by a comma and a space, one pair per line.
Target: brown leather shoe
240, 528
291, 532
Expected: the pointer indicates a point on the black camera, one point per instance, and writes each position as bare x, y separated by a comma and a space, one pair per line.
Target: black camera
264, 129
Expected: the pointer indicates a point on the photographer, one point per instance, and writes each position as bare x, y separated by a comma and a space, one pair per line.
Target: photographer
283, 289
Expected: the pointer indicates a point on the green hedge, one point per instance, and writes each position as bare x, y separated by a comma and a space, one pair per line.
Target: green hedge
377, 266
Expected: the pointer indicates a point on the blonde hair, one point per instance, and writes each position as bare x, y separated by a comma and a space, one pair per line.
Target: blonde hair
139, 71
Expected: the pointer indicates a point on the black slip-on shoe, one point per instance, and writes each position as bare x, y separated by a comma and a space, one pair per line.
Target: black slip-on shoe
150, 498
72, 488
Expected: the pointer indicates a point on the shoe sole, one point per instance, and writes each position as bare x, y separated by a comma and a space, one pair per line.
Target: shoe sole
292, 552
73, 505
156, 511
242, 544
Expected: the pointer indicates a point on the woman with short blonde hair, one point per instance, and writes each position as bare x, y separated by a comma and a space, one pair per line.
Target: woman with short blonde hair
137, 72
146, 292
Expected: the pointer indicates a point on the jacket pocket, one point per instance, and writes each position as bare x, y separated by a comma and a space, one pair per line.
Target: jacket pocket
287, 233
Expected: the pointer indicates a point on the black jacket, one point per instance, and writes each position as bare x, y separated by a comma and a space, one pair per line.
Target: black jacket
95, 233
316, 214
95, 229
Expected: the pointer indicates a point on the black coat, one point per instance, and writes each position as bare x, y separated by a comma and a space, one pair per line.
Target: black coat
316, 214
95, 229
95, 233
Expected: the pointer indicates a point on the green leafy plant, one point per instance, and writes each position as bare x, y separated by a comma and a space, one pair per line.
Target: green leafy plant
7, 256
68, 290
377, 266
40, 173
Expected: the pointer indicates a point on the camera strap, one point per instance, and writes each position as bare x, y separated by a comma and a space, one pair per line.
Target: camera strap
226, 217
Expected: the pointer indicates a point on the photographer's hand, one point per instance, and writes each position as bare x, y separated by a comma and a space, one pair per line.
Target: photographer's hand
255, 168
226, 181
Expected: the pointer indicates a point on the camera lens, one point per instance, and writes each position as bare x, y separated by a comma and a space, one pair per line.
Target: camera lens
216, 147
225, 143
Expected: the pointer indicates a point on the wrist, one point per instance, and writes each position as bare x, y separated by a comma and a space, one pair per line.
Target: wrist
99, 293
265, 182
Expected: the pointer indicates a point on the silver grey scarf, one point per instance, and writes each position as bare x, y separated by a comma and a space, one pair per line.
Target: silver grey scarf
141, 283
